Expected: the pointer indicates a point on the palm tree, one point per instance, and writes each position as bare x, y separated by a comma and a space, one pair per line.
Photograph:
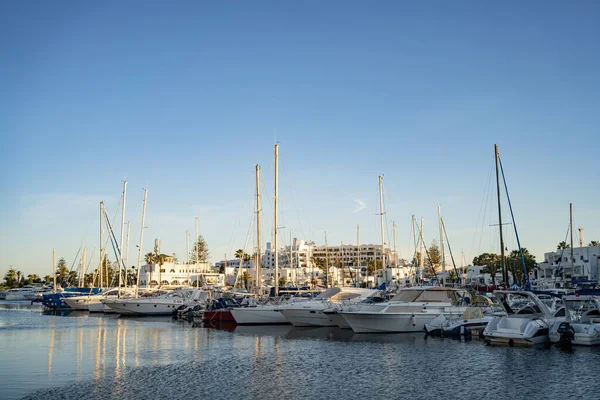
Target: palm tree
245, 278
563, 245
452, 276
492, 269
10, 277
594, 243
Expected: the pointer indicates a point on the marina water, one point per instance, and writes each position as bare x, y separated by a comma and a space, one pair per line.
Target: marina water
78, 355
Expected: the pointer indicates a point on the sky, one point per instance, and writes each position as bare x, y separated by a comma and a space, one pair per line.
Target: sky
185, 98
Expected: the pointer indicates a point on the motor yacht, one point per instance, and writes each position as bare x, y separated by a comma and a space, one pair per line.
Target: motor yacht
164, 304
527, 320
311, 313
407, 311
582, 323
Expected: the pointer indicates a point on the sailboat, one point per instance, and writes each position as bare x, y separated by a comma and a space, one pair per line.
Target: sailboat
265, 314
528, 319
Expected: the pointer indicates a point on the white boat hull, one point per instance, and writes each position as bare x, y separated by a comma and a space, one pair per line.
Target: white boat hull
79, 303
260, 315
387, 322
300, 317
512, 330
99, 307
155, 307
338, 320
585, 334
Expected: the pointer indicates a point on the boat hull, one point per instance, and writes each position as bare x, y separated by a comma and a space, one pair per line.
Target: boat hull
143, 308
99, 307
80, 303
265, 315
217, 316
305, 317
337, 319
361, 322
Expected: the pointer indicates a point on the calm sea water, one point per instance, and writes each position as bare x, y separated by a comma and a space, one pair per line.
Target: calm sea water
77, 355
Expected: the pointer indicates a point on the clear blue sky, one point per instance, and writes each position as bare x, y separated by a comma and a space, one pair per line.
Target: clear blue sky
184, 98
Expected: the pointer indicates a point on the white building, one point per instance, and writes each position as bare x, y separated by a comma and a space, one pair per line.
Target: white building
558, 270
173, 274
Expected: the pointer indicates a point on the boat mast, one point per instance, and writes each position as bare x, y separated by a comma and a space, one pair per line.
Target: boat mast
140, 252
571, 229
187, 255
342, 261
382, 230
358, 250
291, 253
197, 254
258, 267
82, 261
442, 246
54, 268
127, 251
395, 245
100, 267
275, 228
326, 263
422, 249
120, 244
414, 264
502, 257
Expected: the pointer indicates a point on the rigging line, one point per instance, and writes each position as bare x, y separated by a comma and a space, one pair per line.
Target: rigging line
482, 209
561, 255
293, 198
450, 250
527, 283
427, 253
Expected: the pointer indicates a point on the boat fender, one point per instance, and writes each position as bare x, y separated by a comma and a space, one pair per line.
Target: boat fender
412, 319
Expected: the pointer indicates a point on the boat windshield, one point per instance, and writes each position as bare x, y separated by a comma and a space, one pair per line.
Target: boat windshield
329, 293
433, 295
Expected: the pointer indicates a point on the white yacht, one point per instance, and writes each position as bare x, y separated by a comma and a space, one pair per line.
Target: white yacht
24, 293
582, 321
311, 313
527, 321
472, 321
408, 311
84, 302
264, 314
164, 304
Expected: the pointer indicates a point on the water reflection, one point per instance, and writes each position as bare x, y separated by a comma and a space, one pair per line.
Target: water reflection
105, 356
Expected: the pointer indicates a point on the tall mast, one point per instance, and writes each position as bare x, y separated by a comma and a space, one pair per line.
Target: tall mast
101, 253
187, 252
503, 259
395, 245
422, 249
54, 268
342, 261
127, 251
275, 228
258, 205
291, 253
415, 264
120, 244
442, 252
358, 250
82, 269
140, 252
382, 230
326, 263
197, 253
571, 229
